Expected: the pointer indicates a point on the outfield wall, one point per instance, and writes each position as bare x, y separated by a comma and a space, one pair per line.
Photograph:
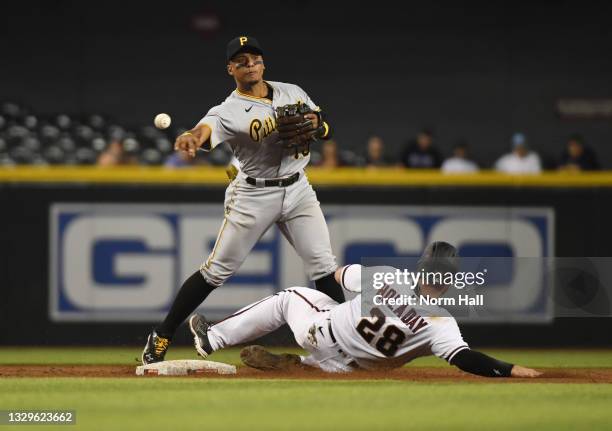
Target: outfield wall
94, 256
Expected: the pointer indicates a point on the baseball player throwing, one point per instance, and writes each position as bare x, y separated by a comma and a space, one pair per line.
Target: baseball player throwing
269, 126
340, 340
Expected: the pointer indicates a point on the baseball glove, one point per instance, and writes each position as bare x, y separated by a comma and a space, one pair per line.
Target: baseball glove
296, 131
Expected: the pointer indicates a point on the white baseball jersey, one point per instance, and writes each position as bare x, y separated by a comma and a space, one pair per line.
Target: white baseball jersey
387, 342
248, 125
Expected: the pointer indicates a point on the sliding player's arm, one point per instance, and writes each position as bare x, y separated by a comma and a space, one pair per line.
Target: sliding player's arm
448, 344
478, 363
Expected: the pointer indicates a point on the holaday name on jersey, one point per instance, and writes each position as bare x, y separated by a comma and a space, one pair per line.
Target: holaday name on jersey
392, 336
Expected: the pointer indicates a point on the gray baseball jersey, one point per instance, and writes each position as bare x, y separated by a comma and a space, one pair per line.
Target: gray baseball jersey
248, 125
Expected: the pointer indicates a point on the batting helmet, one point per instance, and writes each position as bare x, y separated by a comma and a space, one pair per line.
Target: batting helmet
439, 256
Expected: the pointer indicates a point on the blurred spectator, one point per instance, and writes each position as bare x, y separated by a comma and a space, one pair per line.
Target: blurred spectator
459, 162
521, 160
421, 153
329, 155
578, 157
376, 156
115, 155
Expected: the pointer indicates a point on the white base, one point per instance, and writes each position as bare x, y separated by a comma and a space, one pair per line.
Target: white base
184, 367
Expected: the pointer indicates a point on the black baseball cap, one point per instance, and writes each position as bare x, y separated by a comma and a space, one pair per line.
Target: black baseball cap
243, 44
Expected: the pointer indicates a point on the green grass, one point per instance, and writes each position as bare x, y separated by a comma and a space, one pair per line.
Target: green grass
178, 404
185, 404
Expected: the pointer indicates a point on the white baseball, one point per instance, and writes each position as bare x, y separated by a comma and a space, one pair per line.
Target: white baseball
162, 121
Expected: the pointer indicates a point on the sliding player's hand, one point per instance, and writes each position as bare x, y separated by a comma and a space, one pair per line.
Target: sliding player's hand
518, 371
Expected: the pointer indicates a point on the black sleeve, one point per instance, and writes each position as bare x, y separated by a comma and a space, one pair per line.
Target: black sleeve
480, 364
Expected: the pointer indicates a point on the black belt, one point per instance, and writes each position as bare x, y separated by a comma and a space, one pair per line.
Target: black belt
331, 333
276, 182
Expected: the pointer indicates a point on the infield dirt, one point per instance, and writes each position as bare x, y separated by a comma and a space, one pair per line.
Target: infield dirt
417, 374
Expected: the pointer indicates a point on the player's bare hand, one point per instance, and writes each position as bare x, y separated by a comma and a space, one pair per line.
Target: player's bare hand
188, 143
314, 118
518, 371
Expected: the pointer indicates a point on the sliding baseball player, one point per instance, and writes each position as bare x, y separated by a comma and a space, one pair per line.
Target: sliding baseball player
339, 339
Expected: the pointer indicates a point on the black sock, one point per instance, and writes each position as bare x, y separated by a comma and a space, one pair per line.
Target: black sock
193, 292
329, 286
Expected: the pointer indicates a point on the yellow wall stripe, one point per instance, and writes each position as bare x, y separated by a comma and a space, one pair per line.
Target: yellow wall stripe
322, 177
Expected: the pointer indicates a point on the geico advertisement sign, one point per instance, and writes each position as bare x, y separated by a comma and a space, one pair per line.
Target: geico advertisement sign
125, 262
